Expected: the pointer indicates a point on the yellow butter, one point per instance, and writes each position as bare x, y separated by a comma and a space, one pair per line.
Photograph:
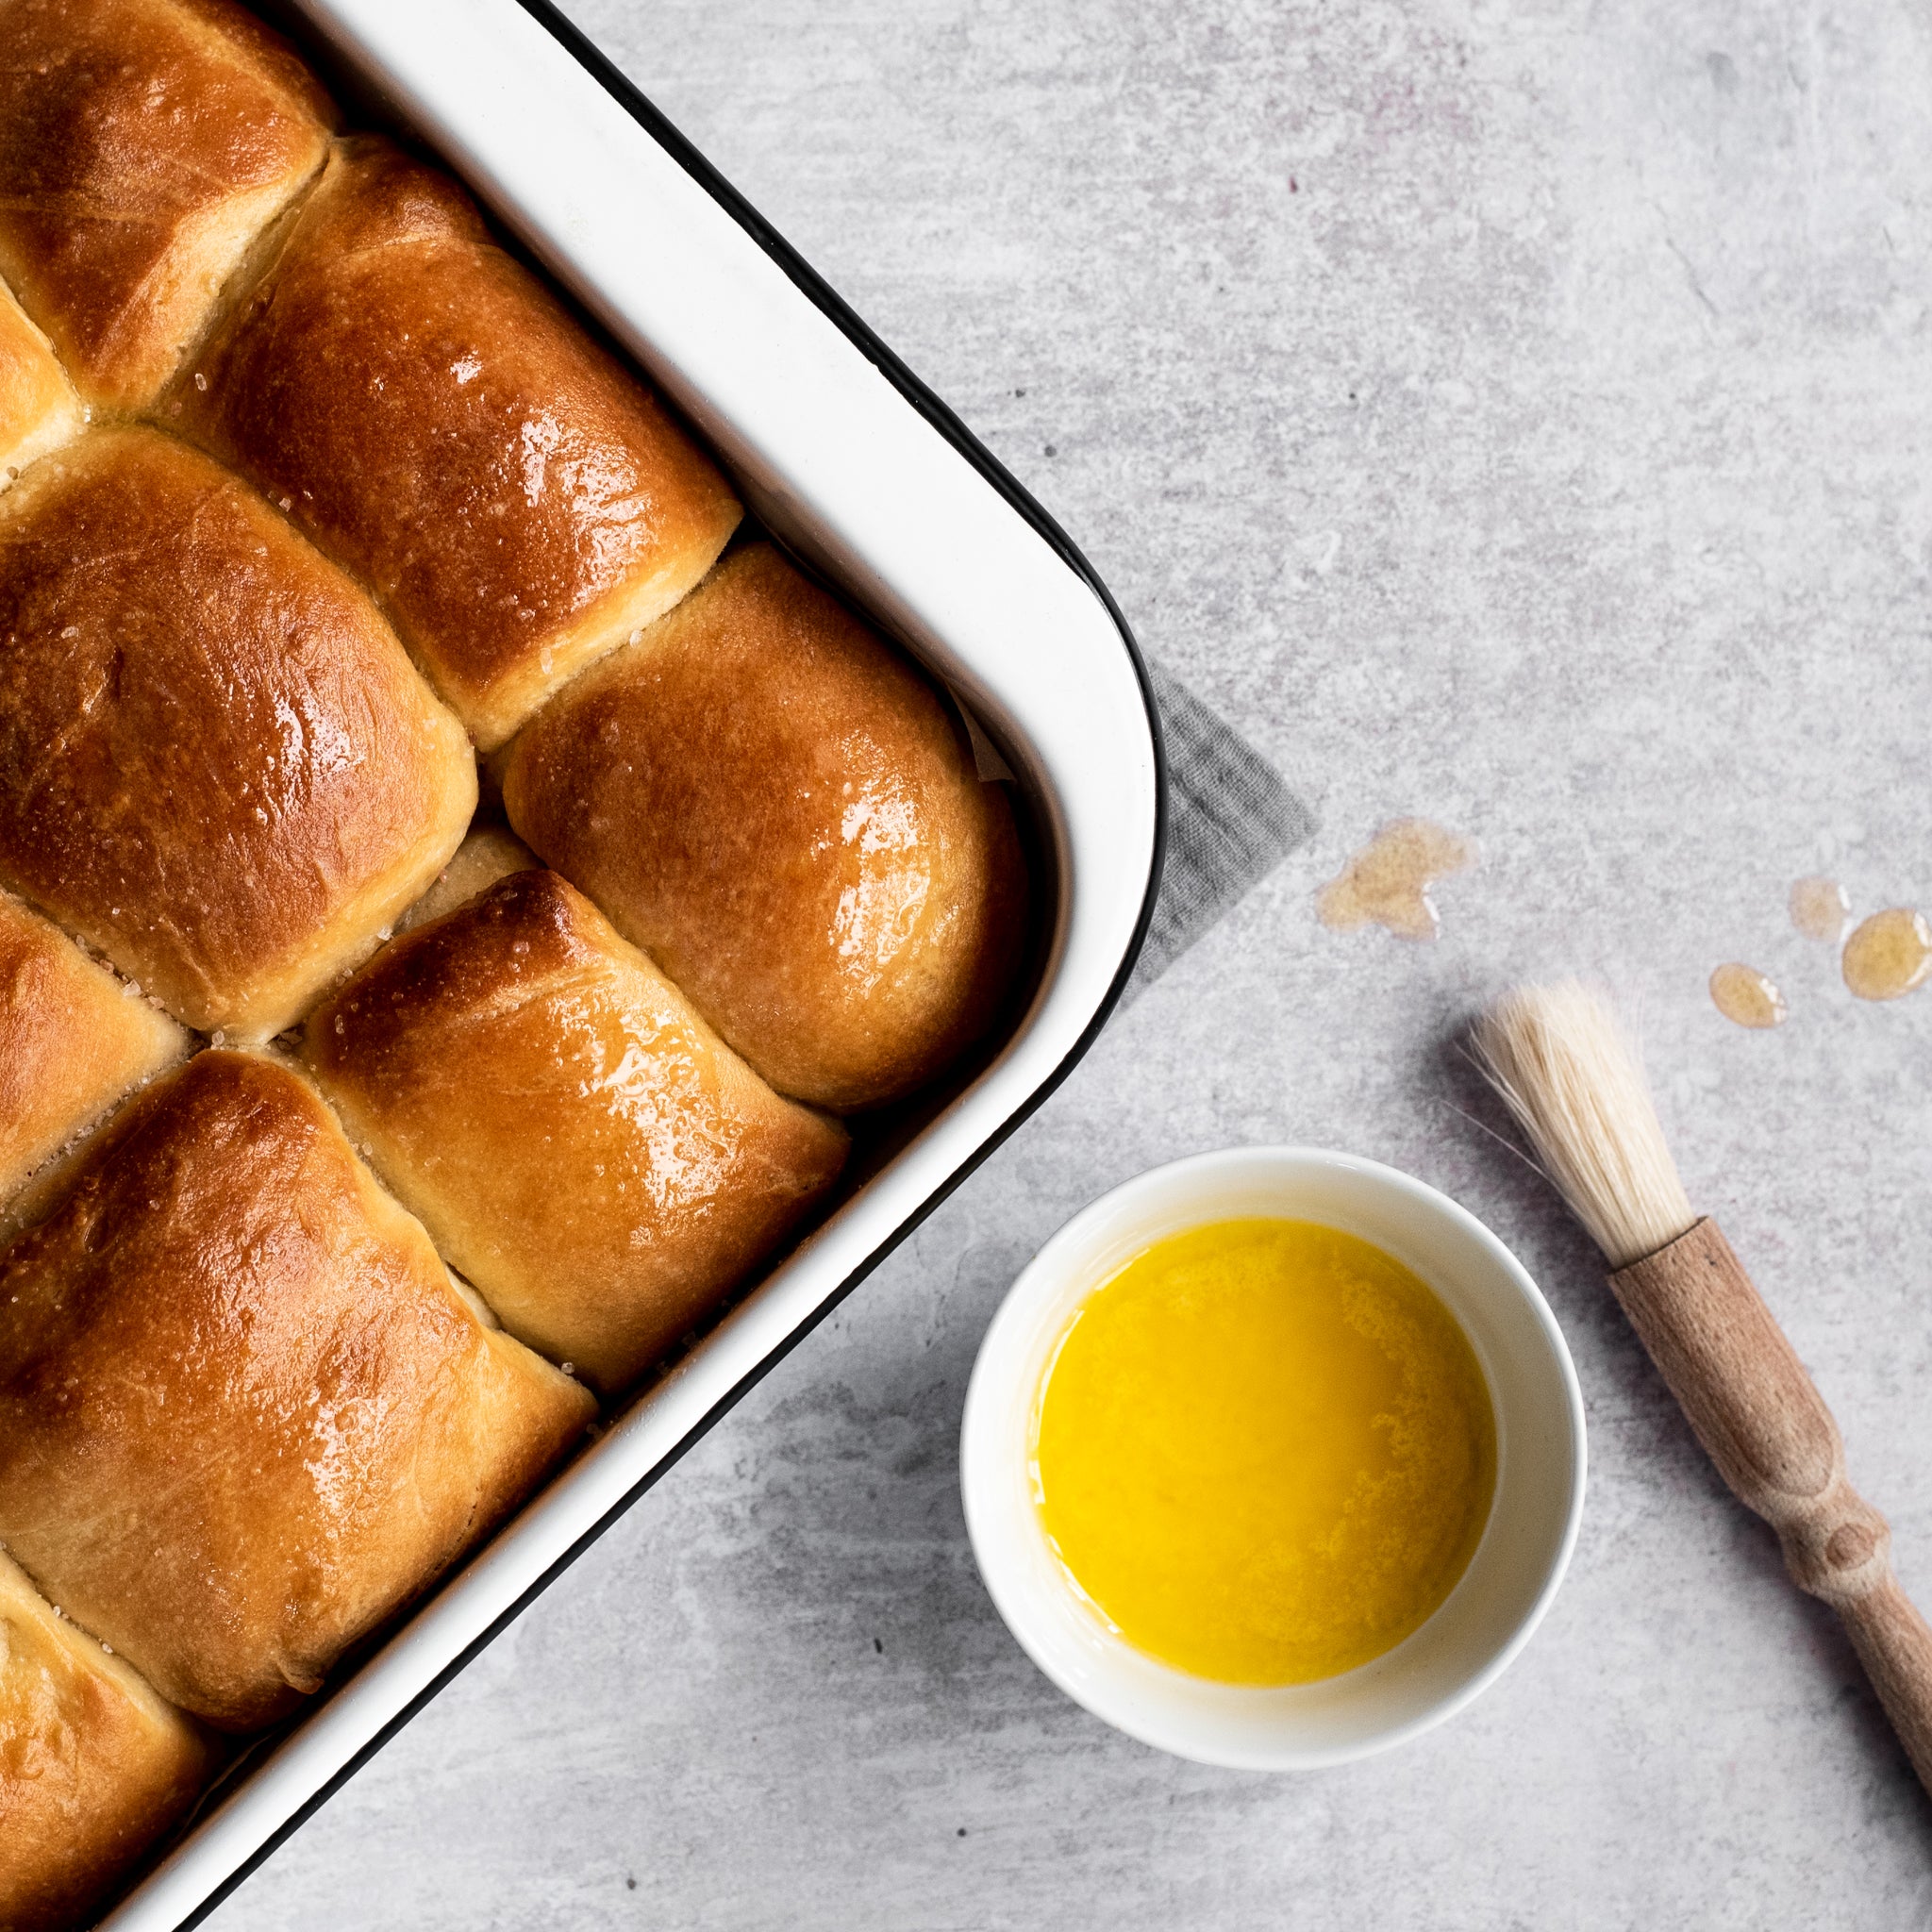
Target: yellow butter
1264, 1451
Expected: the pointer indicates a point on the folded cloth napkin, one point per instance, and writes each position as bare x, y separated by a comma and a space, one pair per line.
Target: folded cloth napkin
1230, 821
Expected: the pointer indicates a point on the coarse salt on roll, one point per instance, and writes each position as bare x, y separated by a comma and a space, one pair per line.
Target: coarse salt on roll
426, 410
217, 765
580, 1144
94, 1766
144, 147
777, 806
245, 1414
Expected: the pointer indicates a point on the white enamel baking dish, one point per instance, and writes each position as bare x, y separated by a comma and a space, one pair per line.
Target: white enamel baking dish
843, 453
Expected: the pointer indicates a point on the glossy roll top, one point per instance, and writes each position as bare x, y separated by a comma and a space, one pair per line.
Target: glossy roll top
73, 1039
216, 763
244, 1412
39, 410
94, 1766
575, 1136
144, 146
426, 411
778, 809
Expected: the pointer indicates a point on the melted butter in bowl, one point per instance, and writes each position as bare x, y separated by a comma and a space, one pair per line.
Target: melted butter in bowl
1273, 1457
1265, 1451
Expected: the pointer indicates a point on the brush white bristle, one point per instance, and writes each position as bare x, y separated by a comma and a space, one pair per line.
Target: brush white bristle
1559, 1058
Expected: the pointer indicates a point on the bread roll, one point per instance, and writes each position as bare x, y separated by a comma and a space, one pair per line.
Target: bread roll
216, 764
94, 1766
73, 1039
777, 806
488, 854
144, 145
244, 1414
578, 1141
423, 408
39, 410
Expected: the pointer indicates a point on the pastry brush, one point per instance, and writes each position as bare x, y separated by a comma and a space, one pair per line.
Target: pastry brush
1558, 1057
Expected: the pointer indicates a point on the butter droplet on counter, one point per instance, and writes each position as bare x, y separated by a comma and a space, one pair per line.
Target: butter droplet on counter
1820, 910
1386, 883
1889, 954
1743, 994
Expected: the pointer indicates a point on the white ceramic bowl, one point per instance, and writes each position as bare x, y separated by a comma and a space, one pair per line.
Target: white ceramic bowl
1485, 1620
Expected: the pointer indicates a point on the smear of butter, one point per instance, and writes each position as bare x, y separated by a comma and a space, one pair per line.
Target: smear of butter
1386, 883
1820, 907
1746, 996
1889, 954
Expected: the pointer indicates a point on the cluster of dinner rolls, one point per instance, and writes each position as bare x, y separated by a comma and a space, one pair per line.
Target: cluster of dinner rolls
351, 1146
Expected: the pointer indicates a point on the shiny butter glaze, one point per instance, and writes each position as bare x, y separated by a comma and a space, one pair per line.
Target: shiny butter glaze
73, 1041
243, 1413
216, 764
777, 806
39, 410
424, 408
144, 145
94, 1766
580, 1143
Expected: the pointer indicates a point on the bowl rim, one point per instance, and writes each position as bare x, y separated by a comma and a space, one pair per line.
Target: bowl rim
985, 1453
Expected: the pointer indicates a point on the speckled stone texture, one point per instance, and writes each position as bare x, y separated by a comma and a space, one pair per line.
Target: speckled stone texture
1514, 414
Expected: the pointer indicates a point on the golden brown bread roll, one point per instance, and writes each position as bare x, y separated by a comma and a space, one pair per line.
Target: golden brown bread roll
39, 410
94, 1766
776, 806
216, 763
73, 1039
423, 406
578, 1141
144, 145
244, 1412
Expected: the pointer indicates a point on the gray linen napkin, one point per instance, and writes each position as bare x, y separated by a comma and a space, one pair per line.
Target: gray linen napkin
1230, 821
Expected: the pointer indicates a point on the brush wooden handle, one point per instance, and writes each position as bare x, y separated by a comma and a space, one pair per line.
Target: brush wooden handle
1761, 1418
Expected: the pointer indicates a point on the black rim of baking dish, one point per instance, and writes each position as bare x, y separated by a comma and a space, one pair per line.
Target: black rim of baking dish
814, 285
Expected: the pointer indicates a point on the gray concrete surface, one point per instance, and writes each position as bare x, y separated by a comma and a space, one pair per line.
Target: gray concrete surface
1516, 414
